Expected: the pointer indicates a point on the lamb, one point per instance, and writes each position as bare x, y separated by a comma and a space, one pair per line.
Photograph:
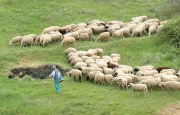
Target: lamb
68, 40
151, 82
139, 88
76, 74
15, 40
104, 36
70, 49
107, 78
170, 85
99, 77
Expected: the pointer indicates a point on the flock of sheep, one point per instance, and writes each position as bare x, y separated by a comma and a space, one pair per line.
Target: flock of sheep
71, 33
107, 69
104, 70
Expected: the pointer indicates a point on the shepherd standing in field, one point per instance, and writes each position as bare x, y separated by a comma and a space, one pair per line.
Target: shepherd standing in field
57, 78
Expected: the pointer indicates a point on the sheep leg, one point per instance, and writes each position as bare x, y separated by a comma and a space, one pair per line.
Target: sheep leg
80, 79
74, 79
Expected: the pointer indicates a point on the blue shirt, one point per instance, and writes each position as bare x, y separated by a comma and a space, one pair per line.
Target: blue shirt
56, 74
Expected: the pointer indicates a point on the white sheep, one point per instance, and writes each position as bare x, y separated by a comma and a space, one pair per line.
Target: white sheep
126, 31
137, 31
139, 78
104, 36
27, 40
107, 79
79, 64
99, 51
168, 70
47, 40
91, 75
99, 78
90, 53
68, 40
86, 70
123, 82
81, 53
89, 61
69, 50
95, 57
152, 29
108, 71
139, 88
76, 60
151, 82
76, 74
149, 73
165, 78
170, 85
98, 29
85, 36
16, 39
71, 58
56, 37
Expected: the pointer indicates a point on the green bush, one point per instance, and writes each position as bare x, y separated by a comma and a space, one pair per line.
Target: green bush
170, 33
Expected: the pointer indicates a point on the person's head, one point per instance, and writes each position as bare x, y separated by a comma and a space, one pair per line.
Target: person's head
54, 67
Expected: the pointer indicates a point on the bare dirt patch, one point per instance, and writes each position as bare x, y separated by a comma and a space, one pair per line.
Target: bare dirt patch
36, 72
170, 110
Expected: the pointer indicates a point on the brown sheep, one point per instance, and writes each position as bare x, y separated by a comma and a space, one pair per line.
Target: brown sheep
110, 65
161, 68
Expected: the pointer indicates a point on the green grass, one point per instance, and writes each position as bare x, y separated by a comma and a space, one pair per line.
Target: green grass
22, 17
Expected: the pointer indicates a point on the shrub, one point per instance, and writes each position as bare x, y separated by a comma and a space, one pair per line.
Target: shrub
170, 33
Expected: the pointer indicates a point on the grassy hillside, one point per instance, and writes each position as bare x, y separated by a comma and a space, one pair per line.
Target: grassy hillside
22, 17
